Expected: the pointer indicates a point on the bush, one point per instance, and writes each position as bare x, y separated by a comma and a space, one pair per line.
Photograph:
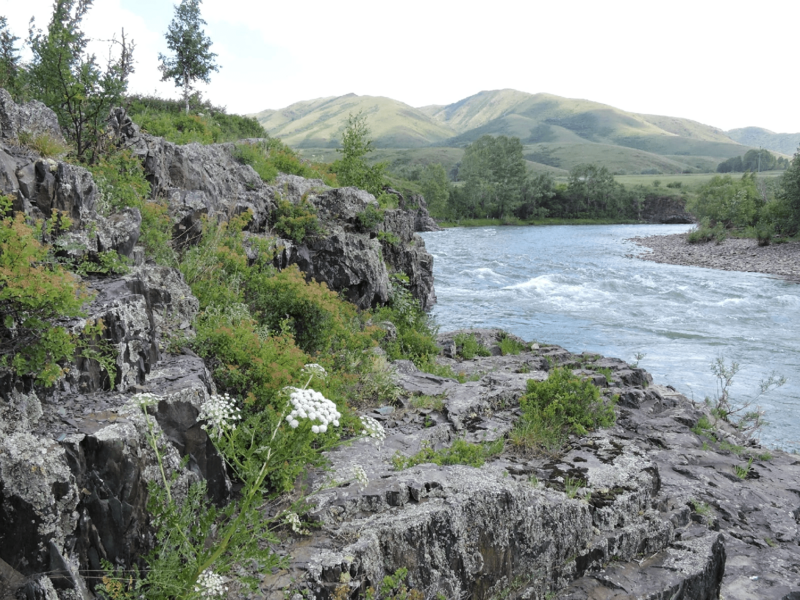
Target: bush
561, 405
704, 232
33, 295
369, 218
121, 182
416, 333
245, 362
468, 346
510, 345
319, 320
296, 221
270, 157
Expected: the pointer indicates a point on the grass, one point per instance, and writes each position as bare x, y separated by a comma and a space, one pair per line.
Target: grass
572, 485
460, 453
703, 510
428, 402
510, 345
743, 471
468, 346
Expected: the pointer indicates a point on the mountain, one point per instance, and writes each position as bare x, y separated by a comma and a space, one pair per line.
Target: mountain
320, 123
785, 143
558, 133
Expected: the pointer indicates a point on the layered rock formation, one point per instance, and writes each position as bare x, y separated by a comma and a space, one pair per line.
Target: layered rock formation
657, 511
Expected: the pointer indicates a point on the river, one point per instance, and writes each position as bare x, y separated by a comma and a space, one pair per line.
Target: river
575, 287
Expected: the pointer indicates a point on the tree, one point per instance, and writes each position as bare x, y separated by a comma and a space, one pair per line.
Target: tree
10, 69
435, 188
732, 202
69, 80
192, 58
494, 172
789, 195
352, 168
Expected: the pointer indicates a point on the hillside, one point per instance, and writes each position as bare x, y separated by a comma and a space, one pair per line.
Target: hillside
785, 143
559, 132
319, 123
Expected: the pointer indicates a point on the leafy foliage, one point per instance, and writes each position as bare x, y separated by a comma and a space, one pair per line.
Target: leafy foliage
271, 156
561, 405
468, 346
11, 72
121, 182
733, 203
460, 453
33, 294
296, 221
754, 161
352, 169
416, 333
192, 59
68, 79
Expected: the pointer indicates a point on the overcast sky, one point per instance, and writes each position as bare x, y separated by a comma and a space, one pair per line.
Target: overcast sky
727, 64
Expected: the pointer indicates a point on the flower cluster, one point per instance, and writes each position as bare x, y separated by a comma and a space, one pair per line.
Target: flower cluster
311, 405
210, 585
372, 429
220, 414
360, 475
293, 520
315, 370
145, 399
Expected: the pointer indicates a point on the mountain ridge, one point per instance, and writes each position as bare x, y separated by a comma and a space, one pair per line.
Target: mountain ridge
545, 123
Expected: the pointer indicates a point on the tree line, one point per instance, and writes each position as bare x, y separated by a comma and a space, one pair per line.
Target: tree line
493, 181
754, 161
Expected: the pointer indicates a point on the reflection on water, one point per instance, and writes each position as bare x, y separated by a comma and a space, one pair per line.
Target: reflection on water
574, 286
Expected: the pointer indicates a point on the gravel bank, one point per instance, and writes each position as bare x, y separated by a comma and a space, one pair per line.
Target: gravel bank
733, 254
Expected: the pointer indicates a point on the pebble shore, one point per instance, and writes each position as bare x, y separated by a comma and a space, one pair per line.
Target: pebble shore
734, 254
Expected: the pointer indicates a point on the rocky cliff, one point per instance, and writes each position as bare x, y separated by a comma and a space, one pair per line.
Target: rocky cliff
661, 513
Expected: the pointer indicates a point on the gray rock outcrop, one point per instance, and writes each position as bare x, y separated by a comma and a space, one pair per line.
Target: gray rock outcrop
665, 210
646, 509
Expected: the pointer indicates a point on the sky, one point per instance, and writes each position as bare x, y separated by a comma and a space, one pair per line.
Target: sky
728, 64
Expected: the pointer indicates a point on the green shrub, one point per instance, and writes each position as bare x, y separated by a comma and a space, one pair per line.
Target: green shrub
43, 144
271, 156
33, 295
510, 345
460, 453
167, 118
561, 405
468, 346
369, 218
416, 332
704, 232
296, 221
319, 320
388, 237
245, 364
121, 182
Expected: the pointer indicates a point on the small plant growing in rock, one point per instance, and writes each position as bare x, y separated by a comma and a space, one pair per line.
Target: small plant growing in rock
743, 471
393, 587
746, 418
561, 405
703, 510
510, 345
468, 346
572, 486
460, 453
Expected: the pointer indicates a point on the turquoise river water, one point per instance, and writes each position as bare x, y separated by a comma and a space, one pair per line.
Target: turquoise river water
575, 287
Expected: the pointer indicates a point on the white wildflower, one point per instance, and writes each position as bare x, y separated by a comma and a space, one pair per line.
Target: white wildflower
145, 399
311, 405
210, 585
220, 414
373, 429
360, 475
315, 370
293, 520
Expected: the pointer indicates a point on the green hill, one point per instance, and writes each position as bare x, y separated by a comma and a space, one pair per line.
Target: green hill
785, 143
319, 123
558, 133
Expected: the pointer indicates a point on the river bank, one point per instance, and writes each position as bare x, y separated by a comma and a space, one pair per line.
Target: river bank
734, 254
